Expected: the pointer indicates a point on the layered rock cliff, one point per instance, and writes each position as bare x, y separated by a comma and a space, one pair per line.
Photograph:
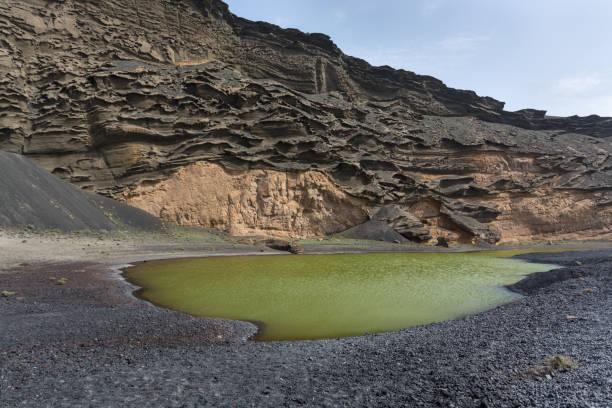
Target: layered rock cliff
154, 102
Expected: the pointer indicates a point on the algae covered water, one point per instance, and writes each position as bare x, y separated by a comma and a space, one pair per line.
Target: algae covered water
324, 296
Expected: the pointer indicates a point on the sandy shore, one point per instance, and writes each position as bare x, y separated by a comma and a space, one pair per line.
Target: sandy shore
89, 342
110, 248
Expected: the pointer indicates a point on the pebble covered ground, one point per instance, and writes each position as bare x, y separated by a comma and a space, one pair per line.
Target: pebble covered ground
88, 342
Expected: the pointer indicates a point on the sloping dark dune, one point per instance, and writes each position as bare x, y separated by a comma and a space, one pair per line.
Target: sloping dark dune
31, 196
373, 230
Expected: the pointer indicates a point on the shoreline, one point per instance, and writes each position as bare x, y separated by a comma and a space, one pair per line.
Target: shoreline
110, 248
119, 272
86, 342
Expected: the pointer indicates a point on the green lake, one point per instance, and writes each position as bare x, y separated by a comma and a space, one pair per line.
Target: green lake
295, 297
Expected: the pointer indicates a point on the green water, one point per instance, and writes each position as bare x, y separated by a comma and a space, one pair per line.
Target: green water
321, 296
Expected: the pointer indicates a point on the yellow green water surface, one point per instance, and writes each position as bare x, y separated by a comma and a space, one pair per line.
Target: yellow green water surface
323, 296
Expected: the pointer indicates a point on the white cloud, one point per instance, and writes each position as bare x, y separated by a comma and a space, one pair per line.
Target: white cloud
430, 6
430, 58
583, 106
283, 22
581, 95
462, 43
577, 84
340, 15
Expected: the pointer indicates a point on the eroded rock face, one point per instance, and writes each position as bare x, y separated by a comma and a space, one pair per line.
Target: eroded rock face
298, 204
551, 214
110, 96
403, 222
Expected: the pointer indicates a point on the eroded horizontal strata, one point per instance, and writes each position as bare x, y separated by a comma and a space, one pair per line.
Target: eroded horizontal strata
110, 97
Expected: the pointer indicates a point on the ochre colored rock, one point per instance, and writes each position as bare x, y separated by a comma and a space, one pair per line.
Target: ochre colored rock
299, 204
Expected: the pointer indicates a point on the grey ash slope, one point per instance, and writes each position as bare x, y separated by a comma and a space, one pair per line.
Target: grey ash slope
31, 196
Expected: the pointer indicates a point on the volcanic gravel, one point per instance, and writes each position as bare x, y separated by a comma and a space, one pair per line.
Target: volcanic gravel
90, 343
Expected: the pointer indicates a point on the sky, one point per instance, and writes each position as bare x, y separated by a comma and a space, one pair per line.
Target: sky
554, 55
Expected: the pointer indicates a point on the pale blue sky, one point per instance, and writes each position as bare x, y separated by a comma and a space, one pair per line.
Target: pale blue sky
545, 54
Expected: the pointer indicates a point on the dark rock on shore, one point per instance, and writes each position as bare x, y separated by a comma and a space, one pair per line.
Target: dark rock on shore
373, 230
574, 269
442, 242
282, 245
403, 222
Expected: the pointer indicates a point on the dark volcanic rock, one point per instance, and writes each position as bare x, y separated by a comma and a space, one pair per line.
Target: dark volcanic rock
282, 245
111, 97
403, 222
31, 197
374, 230
442, 242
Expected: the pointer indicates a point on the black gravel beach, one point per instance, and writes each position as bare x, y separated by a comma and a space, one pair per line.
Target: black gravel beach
89, 342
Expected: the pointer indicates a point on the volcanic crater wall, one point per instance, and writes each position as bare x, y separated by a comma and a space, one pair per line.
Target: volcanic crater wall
135, 101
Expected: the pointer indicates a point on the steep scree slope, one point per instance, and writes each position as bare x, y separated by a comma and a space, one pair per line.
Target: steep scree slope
119, 99
31, 197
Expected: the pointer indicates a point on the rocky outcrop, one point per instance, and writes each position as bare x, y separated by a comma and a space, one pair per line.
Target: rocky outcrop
123, 99
403, 222
298, 204
292, 247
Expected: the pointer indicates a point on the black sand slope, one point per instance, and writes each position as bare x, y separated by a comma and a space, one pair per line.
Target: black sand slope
373, 230
31, 196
